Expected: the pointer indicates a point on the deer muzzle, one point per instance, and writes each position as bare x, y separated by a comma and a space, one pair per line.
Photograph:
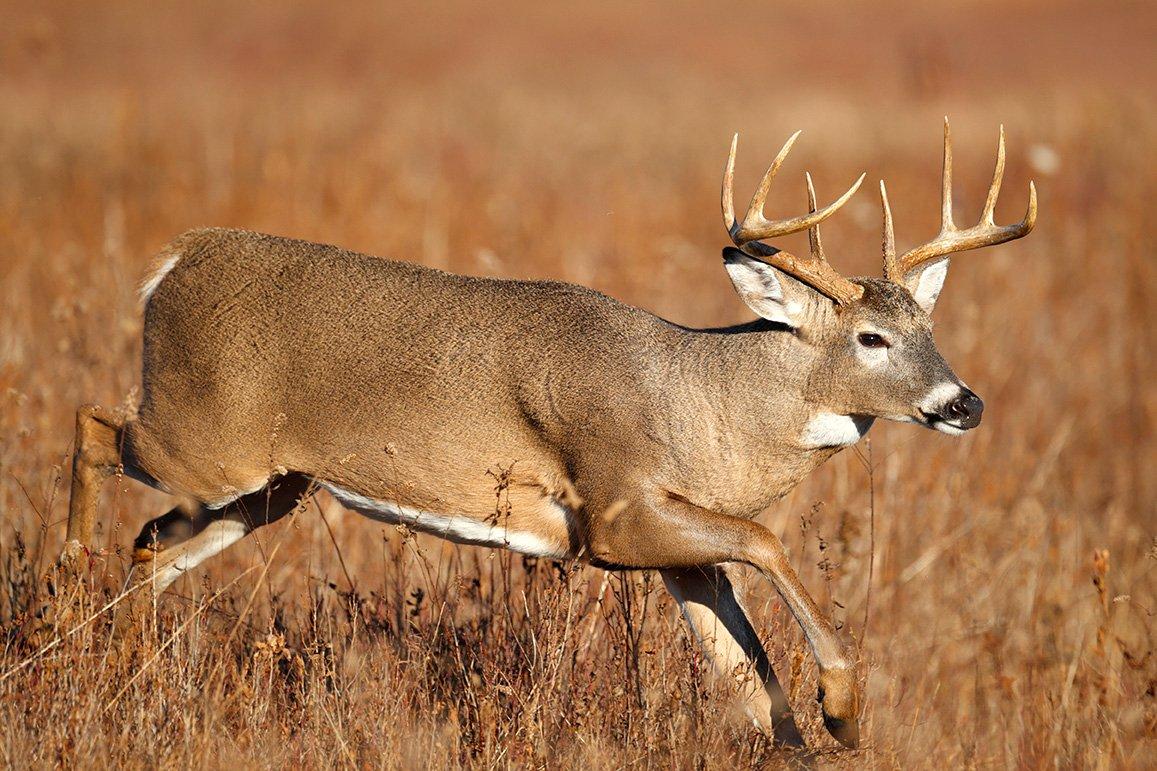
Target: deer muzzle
964, 411
951, 408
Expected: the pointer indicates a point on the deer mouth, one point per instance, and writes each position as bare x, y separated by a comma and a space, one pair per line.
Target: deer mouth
940, 423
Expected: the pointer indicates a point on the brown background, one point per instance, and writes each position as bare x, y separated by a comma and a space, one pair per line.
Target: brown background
585, 143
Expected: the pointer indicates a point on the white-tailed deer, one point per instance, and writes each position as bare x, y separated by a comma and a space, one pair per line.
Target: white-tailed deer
273, 365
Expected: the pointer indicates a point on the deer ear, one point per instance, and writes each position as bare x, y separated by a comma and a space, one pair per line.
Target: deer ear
773, 295
926, 282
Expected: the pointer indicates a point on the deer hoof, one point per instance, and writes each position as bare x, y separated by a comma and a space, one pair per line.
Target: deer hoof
840, 705
846, 732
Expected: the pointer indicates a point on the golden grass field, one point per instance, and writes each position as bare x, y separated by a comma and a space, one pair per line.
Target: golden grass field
1001, 585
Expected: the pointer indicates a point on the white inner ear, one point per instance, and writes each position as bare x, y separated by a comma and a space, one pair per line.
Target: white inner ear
762, 290
926, 286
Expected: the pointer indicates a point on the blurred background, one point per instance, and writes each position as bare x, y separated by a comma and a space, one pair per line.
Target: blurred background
1001, 584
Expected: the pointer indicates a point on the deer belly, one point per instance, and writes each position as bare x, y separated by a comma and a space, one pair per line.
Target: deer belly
542, 534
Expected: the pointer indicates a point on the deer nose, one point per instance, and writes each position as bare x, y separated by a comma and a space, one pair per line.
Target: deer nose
965, 410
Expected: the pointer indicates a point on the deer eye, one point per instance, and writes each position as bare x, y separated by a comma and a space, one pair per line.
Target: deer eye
871, 340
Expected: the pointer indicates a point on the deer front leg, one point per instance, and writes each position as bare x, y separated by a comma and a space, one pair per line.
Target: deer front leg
667, 533
708, 601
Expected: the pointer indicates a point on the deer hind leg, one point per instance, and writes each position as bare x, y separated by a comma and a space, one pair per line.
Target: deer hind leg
174, 543
96, 458
708, 601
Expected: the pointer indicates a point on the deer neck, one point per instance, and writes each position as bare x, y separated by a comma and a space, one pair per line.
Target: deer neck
766, 427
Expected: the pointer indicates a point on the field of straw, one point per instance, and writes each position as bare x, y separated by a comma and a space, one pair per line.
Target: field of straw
1001, 585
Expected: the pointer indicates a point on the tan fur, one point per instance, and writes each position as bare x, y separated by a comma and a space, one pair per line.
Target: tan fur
536, 413
412, 385
539, 416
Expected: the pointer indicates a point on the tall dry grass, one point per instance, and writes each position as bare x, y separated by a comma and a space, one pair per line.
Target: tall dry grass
1001, 585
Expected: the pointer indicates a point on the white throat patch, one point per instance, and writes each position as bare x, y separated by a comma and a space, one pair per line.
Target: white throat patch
827, 429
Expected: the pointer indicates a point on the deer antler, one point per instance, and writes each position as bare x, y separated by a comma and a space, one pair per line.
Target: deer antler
816, 272
951, 239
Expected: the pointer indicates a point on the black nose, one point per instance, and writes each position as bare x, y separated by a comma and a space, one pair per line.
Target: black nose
965, 410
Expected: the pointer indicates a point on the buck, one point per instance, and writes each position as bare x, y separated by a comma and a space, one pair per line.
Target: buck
273, 367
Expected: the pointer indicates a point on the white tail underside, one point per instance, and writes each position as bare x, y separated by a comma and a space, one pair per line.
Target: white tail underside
154, 281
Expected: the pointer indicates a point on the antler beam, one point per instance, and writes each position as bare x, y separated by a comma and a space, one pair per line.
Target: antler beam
816, 272
951, 239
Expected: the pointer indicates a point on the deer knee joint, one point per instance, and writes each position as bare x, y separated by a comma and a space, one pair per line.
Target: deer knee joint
96, 438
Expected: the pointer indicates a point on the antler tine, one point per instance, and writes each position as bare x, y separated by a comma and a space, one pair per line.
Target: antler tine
729, 180
813, 233
946, 224
951, 239
986, 217
815, 272
891, 267
755, 219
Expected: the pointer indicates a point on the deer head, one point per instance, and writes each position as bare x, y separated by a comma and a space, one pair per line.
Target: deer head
866, 341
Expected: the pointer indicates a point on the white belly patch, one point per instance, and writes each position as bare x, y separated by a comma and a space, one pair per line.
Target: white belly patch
459, 529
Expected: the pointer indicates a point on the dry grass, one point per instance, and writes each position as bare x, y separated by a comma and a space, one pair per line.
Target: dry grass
528, 141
